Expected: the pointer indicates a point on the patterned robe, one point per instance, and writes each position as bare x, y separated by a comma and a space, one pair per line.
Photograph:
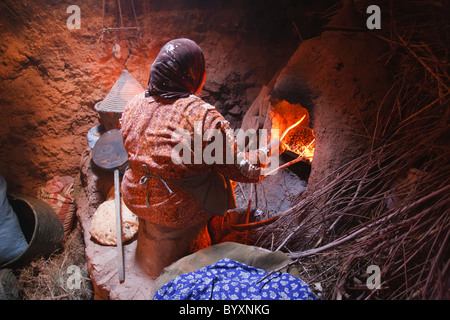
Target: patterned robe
149, 129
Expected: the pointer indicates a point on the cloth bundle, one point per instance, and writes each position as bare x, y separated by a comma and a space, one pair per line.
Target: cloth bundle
58, 194
232, 271
232, 280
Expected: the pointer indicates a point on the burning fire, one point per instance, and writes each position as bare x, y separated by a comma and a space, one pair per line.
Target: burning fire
301, 142
293, 121
292, 127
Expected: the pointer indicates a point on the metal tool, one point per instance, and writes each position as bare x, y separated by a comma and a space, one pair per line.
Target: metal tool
110, 154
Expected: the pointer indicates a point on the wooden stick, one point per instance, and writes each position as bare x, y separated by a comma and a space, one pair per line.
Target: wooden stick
253, 225
287, 238
118, 227
298, 159
298, 31
438, 79
311, 252
307, 253
242, 191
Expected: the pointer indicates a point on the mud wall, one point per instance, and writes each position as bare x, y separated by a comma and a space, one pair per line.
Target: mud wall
51, 76
339, 79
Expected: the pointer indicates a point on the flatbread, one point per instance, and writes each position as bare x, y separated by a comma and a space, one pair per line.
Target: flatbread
103, 226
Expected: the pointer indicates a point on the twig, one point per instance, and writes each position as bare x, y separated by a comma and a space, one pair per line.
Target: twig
298, 159
438, 79
298, 32
423, 109
288, 238
242, 191
287, 265
297, 255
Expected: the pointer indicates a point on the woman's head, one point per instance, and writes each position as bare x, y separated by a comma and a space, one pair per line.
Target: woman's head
178, 71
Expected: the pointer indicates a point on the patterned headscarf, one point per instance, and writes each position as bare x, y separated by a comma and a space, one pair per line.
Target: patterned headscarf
178, 71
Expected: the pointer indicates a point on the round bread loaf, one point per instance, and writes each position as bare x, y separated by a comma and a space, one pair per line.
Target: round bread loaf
103, 226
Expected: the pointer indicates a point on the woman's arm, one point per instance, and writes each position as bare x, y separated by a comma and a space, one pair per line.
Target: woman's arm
221, 146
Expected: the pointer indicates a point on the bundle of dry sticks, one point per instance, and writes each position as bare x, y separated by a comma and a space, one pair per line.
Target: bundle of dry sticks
389, 207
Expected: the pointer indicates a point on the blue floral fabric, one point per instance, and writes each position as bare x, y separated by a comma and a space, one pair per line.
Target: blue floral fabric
232, 280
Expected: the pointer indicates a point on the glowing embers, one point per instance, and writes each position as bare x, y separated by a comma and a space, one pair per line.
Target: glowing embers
296, 134
301, 142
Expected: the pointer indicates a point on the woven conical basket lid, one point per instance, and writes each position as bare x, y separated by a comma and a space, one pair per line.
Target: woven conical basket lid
125, 88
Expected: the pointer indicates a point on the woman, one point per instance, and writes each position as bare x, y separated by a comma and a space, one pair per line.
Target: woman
175, 199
